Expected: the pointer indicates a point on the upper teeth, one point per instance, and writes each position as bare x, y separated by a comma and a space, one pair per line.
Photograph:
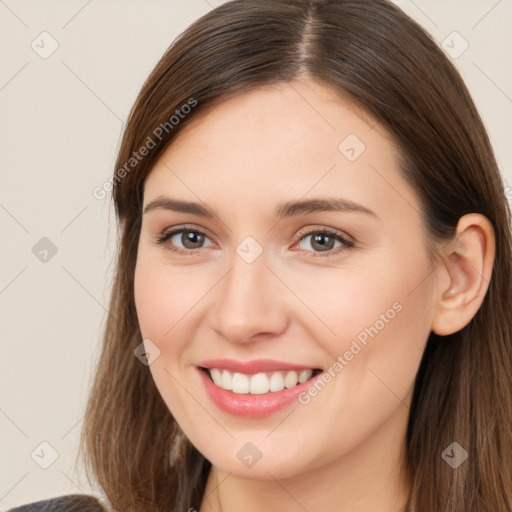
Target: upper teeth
258, 383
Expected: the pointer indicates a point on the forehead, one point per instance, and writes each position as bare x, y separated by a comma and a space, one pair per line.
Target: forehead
282, 119
281, 142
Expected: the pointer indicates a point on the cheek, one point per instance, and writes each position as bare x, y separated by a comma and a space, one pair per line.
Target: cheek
152, 300
164, 297
375, 318
341, 303
381, 323
165, 301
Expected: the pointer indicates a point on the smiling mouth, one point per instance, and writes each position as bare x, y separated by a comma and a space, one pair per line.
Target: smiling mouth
259, 383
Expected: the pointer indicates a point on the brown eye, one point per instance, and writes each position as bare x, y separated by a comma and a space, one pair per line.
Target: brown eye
183, 241
323, 241
192, 239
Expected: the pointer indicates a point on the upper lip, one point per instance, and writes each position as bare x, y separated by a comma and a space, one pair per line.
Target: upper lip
254, 366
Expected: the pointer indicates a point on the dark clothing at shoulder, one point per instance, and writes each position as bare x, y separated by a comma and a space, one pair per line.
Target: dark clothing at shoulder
70, 503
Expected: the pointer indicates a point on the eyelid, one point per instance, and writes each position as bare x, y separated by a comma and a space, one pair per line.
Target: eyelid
184, 227
322, 229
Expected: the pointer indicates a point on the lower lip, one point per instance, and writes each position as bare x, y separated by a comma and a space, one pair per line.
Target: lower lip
252, 406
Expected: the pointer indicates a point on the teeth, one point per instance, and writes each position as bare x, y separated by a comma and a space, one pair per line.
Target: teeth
304, 375
291, 379
240, 383
276, 382
227, 379
216, 376
259, 383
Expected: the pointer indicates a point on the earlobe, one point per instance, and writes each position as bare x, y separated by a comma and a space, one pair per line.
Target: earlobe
464, 275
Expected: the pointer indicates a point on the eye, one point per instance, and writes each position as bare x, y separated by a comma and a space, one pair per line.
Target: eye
323, 241
190, 238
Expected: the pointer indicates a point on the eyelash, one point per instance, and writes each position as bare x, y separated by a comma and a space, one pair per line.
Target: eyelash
347, 244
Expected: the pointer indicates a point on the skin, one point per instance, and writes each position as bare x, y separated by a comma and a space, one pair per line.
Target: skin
343, 450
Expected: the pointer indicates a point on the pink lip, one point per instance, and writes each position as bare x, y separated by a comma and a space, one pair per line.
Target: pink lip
252, 406
252, 367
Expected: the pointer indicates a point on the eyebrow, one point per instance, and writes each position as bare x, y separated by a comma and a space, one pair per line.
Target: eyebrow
284, 210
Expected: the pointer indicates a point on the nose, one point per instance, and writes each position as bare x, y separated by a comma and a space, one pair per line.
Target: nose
250, 303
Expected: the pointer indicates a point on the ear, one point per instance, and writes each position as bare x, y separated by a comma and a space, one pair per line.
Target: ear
464, 274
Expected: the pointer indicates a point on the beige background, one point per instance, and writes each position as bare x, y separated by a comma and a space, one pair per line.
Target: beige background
61, 121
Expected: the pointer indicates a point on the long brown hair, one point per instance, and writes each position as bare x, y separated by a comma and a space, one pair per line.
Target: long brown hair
387, 65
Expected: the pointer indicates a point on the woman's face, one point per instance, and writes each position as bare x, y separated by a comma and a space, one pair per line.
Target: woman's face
255, 281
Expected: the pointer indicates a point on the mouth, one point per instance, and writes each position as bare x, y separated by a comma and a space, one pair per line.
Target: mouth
259, 383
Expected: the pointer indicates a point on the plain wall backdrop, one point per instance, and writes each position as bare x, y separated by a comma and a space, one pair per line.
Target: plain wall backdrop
69, 74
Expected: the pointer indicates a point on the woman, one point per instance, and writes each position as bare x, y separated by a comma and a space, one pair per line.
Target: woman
311, 308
